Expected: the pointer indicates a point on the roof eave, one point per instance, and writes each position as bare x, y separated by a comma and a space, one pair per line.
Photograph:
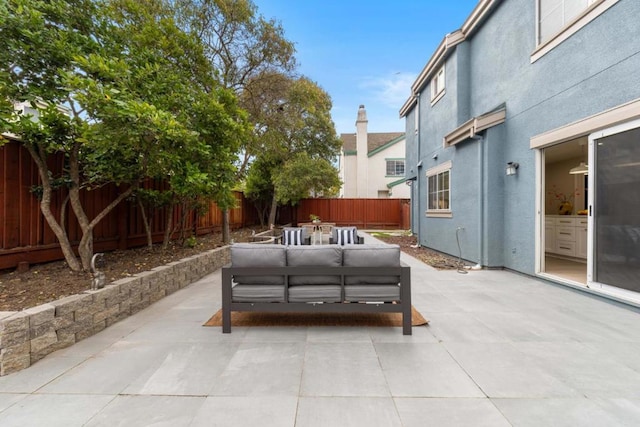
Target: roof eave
386, 145
470, 25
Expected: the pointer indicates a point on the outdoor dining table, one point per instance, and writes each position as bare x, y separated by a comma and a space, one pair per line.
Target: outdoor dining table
317, 229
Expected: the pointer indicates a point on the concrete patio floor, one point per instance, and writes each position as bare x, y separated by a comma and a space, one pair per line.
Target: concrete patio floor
501, 349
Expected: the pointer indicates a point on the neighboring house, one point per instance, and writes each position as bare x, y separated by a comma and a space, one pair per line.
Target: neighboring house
372, 164
529, 103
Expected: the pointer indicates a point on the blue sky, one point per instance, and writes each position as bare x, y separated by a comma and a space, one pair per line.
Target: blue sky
366, 52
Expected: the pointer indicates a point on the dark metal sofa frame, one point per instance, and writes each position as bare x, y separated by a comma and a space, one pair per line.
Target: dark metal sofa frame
403, 306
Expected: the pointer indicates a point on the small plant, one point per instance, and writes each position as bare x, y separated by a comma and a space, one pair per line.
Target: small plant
191, 242
314, 218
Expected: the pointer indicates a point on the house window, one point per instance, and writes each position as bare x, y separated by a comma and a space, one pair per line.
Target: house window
439, 190
437, 86
395, 167
553, 15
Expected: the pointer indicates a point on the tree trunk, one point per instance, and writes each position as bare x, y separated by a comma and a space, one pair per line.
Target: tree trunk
59, 230
226, 228
147, 224
85, 247
272, 213
261, 213
39, 157
168, 229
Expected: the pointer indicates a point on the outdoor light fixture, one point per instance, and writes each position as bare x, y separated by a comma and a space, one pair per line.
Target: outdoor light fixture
512, 168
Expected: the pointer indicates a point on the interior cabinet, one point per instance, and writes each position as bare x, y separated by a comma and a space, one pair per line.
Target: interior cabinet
581, 238
549, 235
566, 235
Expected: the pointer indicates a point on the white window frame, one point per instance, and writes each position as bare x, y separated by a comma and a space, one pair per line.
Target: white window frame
438, 85
404, 167
594, 9
436, 173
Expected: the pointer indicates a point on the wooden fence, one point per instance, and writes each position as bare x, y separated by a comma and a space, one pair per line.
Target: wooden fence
25, 236
363, 213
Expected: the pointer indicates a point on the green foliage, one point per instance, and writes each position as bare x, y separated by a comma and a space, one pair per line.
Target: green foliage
303, 176
191, 242
298, 141
142, 98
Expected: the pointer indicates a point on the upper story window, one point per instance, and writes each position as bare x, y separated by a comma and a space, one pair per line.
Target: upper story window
439, 190
557, 20
553, 15
437, 86
395, 167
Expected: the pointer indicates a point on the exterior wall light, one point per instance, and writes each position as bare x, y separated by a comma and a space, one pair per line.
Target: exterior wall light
512, 168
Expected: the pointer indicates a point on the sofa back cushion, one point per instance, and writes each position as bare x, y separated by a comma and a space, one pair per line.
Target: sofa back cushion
252, 255
344, 235
371, 255
293, 236
314, 256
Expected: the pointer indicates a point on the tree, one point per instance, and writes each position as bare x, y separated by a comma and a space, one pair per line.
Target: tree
141, 96
244, 48
299, 143
302, 176
38, 42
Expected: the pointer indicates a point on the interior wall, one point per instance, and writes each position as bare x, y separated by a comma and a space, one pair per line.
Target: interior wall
559, 184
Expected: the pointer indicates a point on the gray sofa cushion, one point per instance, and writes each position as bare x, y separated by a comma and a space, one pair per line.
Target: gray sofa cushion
371, 255
257, 293
377, 292
315, 293
248, 255
314, 256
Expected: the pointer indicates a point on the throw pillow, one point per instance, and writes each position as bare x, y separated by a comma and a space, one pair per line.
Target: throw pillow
346, 237
293, 237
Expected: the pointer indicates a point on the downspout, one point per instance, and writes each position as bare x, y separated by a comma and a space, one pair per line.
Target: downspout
418, 167
481, 192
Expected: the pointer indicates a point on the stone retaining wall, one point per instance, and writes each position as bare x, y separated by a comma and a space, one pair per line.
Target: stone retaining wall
29, 335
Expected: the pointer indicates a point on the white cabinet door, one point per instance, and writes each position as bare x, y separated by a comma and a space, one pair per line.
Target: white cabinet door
550, 238
581, 241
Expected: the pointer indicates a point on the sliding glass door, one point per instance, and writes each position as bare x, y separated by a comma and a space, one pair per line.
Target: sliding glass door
614, 203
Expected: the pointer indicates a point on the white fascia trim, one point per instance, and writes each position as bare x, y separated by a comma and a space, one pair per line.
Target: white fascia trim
408, 105
471, 127
605, 119
439, 168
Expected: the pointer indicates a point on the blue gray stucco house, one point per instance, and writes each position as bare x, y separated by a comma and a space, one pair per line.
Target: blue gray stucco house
497, 123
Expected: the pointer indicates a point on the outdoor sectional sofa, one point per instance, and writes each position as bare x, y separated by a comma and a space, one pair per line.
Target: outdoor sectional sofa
322, 278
